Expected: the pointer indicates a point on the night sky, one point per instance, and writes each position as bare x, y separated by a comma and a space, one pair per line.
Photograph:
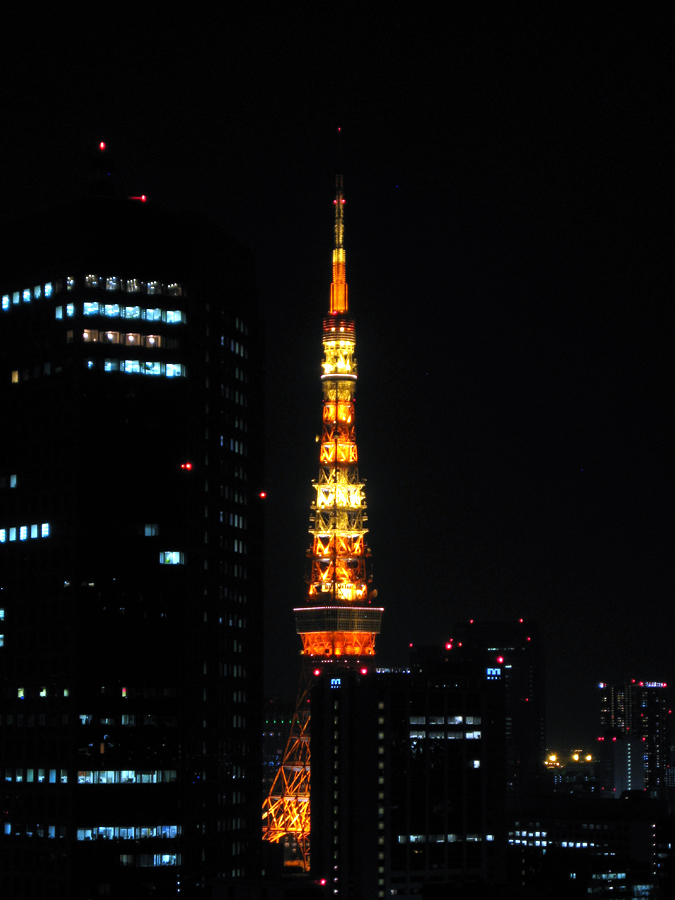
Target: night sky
507, 179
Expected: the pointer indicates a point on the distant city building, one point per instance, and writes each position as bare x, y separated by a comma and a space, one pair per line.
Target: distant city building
130, 554
513, 650
639, 711
407, 781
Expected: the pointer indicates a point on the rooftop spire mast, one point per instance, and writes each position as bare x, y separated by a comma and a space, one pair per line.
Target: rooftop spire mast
338, 288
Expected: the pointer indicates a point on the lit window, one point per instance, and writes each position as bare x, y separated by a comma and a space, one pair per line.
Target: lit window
70, 309
132, 312
174, 315
175, 290
154, 287
12, 534
37, 292
59, 312
2, 640
132, 339
15, 376
70, 284
153, 315
16, 297
44, 529
110, 337
152, 340
33, 531
131, 365
111, 365
171, 558
3, 535
20, 695
174, 370
90, 334
90, 363
133, 285
26, 295
91, 309
152, 368
112, 310
5, 301
91, 281
151, 530
112, 283
48, 289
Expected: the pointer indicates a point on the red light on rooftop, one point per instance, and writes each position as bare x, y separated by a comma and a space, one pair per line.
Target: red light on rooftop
528, 639
448, 646
262, 495
334, 202
363, 671
613, 738
500, 659
317, 671
101, 146
186, 465
410, 645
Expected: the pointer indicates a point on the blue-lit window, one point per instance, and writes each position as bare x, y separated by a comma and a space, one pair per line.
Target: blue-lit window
12, 534
112, 310
16, 298
174, 370
131, 365
26, 295
111, 365
33, 531
174, 315
90, 364
12, 481
152, 368
132, 312
48, 289
59, 312
44, 529
112, 283
70, 309
153, 315
3, 535
37, 292
151, 530
91, 309
171, 558
5, 301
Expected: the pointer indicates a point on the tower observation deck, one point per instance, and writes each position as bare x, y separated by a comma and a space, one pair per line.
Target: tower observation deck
338, 622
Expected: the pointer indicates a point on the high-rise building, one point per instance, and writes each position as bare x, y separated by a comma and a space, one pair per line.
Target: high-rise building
130, 554
339, 620
408, 790
514, 651
638, 710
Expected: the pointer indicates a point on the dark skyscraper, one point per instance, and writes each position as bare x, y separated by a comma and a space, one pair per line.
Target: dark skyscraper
130, 554
513, 651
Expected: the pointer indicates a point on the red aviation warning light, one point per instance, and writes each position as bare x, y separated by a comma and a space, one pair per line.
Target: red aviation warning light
101, 146
186, 465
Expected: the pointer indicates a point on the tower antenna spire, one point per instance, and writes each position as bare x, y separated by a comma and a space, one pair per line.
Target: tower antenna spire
338, 288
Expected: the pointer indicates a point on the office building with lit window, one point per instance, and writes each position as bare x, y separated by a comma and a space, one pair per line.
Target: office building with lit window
130, 554
408, 793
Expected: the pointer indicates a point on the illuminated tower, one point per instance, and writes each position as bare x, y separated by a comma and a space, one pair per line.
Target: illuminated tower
337, 623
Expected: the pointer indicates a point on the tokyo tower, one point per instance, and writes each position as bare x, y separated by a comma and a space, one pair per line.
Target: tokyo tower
338, 622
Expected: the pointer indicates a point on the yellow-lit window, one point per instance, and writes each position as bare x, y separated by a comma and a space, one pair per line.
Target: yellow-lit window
15, 376
132, 340
152, 340
90, 334
110, 337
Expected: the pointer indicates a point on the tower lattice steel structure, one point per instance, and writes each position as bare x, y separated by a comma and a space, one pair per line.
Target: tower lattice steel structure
338, 622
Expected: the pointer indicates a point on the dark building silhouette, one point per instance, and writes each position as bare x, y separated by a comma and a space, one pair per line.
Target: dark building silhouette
130, 554
407, 781
638, 712
513, 650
